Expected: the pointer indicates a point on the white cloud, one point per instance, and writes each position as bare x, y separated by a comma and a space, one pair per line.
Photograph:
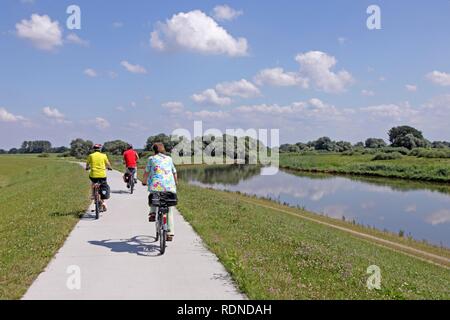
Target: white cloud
241, 88
6, 116
120, 108
112, 75
117, 24
54, 114
197, 32
174, 106
397, 112
224, 12
342, 40
439, 217
367, 93
133, 68
210, 96
317, 65
75, 39
278, 77
207, 115
43, 33
439, 78
90, 73
411, 87
101, 123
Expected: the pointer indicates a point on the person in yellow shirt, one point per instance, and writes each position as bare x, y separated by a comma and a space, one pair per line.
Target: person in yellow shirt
97, 163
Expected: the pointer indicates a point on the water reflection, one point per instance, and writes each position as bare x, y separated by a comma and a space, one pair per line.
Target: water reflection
421, 210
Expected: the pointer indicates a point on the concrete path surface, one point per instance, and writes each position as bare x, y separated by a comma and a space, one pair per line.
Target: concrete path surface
116, 257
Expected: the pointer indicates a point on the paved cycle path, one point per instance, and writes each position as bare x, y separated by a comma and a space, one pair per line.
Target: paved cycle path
116, 257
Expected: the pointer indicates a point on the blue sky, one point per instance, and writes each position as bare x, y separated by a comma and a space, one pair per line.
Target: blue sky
309, 68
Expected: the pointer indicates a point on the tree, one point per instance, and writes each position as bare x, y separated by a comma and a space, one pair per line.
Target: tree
440, 144
168, 141
38, 146
116, 147
80, 148
2, 151
410, 141
359, 144
323, 143
374, 143
13, 151
342, 146
397, 135
59, 149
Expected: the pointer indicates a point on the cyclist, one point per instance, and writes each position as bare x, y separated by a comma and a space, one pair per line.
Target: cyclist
97, 163
161, 176
130, 159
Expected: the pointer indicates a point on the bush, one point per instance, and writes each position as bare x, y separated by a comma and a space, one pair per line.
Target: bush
44, 155
401, 150
431, 153
387, 156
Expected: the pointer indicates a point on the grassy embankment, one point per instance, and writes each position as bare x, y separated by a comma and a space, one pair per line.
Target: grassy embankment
41, 200
407, 167
276, 252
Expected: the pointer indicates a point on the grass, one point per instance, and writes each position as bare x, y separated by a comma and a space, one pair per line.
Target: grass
275, 255
406, 167
40, 202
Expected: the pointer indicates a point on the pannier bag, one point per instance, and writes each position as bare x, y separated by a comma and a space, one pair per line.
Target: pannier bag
105, 191
162, 199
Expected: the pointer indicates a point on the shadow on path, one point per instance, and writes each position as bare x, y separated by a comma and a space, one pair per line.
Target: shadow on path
139, 245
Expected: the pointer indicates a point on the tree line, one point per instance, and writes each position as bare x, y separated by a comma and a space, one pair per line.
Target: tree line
399, 137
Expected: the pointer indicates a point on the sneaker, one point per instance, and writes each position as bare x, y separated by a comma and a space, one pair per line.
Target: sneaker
152, 217
128, 185
170, 237
104, 207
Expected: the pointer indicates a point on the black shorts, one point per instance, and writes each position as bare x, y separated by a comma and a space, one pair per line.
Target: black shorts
98, 180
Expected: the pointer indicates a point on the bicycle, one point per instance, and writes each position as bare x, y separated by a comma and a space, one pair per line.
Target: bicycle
131, 182
162, 201
162, 227
97, 200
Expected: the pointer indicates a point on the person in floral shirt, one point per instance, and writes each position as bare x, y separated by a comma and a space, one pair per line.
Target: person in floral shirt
161, 176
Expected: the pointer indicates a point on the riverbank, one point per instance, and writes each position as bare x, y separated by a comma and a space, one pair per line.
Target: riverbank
407, 167
276, 252
41, 200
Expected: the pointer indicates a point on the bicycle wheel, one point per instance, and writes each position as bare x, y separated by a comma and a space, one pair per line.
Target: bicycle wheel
162, 241
97, 207
157, 230
132, 185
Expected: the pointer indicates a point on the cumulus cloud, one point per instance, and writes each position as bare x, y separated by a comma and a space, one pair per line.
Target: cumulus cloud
225, 12
241, 88
90, 73
6, 116
411, 87
278, 77
101, 123
195, 31
133, 68
75, 39
397, 112
317, 66
174, 106
54, 114
41, 31
210, 96
207, 115
367, 93
439, 78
